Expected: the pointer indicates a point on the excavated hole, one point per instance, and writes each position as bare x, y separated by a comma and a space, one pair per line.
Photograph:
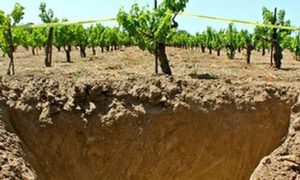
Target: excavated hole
187, 144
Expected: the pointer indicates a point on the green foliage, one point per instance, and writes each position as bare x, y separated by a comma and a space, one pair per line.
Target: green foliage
201, 39
268, 17
114, 36
38, 37
105, 37
93, 35
209, 37
2, 41
181, 39
218, 41
20, 38
80, 36
47, 16
260, 34
277, 36
125, 39
231, 41
145, 28
17, 13
150, 27
295, 46
245, 39
2, 20
174, 6
64, 35
287, 42
7, 22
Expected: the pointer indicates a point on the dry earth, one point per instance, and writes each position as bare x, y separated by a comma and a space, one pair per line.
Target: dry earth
109, 117
133, 62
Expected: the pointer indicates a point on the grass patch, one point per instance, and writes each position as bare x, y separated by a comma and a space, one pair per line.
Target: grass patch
79, 73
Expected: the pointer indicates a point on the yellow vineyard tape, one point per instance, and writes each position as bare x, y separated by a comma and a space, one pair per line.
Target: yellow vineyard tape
240, 22
65, 23
182, 14
68, 23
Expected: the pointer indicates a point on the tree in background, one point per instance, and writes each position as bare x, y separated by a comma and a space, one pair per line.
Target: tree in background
152, 29
37, 39
201, 39
231, 41
65, 37
180, 39
6, 40
29, 38
260, 42
92, 38
218, 41
296, 47
209, 38
21, 38
81, 39
247, 42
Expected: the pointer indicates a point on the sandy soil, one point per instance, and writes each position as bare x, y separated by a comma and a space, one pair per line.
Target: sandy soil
133, 62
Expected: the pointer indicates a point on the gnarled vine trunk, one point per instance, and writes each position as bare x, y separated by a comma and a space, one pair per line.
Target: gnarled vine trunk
163, 59
68, 53
210, 50
11, 66
82, 51
249, 49
33, 51
115, 46
218, 52
239, 49
277, 55
203, 49
93, 50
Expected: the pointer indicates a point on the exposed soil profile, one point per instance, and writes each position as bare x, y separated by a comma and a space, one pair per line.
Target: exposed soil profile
144, 128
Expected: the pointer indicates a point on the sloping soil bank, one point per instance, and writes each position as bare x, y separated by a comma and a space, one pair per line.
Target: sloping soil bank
141, 128
284, 162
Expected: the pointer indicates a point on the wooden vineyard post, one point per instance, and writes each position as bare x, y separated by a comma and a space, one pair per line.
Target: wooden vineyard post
274, 36
155, 44
48, 50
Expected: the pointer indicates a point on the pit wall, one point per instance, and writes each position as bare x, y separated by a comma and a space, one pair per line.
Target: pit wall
284, 162
150, 130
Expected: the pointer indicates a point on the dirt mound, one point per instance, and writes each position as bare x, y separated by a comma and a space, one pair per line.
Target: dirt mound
145, 128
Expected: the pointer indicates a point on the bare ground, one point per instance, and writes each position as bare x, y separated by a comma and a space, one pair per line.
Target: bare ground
133, 62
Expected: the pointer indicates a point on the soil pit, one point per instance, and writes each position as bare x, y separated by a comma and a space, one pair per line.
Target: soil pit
144, 129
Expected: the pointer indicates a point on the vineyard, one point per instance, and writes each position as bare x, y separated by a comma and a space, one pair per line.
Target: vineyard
135, 31
146, 99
